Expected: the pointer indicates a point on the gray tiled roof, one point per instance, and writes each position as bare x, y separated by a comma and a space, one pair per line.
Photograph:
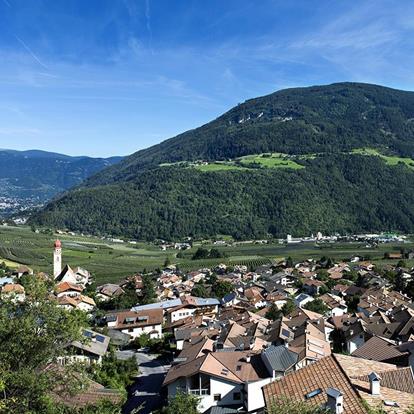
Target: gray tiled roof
280, 358
223, 410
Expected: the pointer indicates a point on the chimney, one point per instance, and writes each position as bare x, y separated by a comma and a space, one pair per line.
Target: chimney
374, 383
335, 403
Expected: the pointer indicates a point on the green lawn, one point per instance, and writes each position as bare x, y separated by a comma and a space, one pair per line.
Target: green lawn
218, 166
274, 160
389, 160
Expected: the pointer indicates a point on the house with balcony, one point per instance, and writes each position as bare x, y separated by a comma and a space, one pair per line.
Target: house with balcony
221, 379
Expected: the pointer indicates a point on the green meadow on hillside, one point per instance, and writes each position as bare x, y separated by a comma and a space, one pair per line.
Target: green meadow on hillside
265, 160
274, 160
389, 159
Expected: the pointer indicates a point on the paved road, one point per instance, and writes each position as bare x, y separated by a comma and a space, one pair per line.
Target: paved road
146, 389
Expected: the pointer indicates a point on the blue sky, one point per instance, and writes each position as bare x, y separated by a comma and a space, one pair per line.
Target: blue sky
109, 77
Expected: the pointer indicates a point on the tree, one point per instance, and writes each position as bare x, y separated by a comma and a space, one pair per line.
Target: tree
200, 254
113, 372
288, 307
216, 254
148, 290
401, 263
199, 290
317, 306
322, 275
33, 334
289, 262
273, 313
221, 289
400, 283
182, 403
212, 279
141, 341
352, 303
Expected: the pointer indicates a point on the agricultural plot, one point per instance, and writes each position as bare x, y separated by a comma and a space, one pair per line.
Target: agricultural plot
218, 166
274, 160
388, 159
111, 262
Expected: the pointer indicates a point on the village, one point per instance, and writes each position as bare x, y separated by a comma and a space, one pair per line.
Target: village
340, 335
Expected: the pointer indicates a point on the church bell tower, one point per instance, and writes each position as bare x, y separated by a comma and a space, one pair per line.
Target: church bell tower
57, 259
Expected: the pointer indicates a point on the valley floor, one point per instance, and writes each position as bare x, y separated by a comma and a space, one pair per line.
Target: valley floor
111, 261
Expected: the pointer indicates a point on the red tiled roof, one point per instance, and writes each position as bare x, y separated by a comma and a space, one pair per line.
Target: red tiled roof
324, 374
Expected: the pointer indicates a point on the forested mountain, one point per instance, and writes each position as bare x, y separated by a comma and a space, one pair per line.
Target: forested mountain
33, 177
318, 184
320, 119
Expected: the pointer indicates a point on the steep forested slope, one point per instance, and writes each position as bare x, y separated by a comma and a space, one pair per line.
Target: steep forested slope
335, 193
335, 190
318, 119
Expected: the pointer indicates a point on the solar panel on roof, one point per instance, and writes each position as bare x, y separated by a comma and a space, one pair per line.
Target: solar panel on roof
285, 332
129, 320
313, 394
100, 338
88, 334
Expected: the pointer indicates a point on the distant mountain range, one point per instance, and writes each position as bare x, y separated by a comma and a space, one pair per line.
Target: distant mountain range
31, 178
334, 158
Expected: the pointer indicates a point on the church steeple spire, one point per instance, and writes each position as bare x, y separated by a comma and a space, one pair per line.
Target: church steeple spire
57, 258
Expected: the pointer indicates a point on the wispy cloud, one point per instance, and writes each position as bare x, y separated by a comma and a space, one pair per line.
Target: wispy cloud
31, 53
20, 131
148, 22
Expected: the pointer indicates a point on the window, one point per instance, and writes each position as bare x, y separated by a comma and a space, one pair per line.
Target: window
238, 368
236, 396
217, 397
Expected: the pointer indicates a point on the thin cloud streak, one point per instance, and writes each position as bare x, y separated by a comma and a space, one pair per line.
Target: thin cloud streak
31, 52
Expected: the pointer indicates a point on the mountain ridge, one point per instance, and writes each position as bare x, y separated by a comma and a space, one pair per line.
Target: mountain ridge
319, 126
31, 178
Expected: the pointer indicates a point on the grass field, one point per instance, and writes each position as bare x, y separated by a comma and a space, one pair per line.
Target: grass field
114, 261
389, 160
219, 166
274, 160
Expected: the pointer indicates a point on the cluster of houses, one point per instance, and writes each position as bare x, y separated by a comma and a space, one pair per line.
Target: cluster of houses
236, 357
264, 340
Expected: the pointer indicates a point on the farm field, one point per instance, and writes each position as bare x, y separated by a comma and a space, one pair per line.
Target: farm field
113, 261
274, 160
218, 166
389, 160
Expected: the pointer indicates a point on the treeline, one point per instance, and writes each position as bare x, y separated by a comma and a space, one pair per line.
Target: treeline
336, 193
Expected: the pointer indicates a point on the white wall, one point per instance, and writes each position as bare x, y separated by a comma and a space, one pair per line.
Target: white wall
355, 343
217, 386
138, 331
255, 397
181, 314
